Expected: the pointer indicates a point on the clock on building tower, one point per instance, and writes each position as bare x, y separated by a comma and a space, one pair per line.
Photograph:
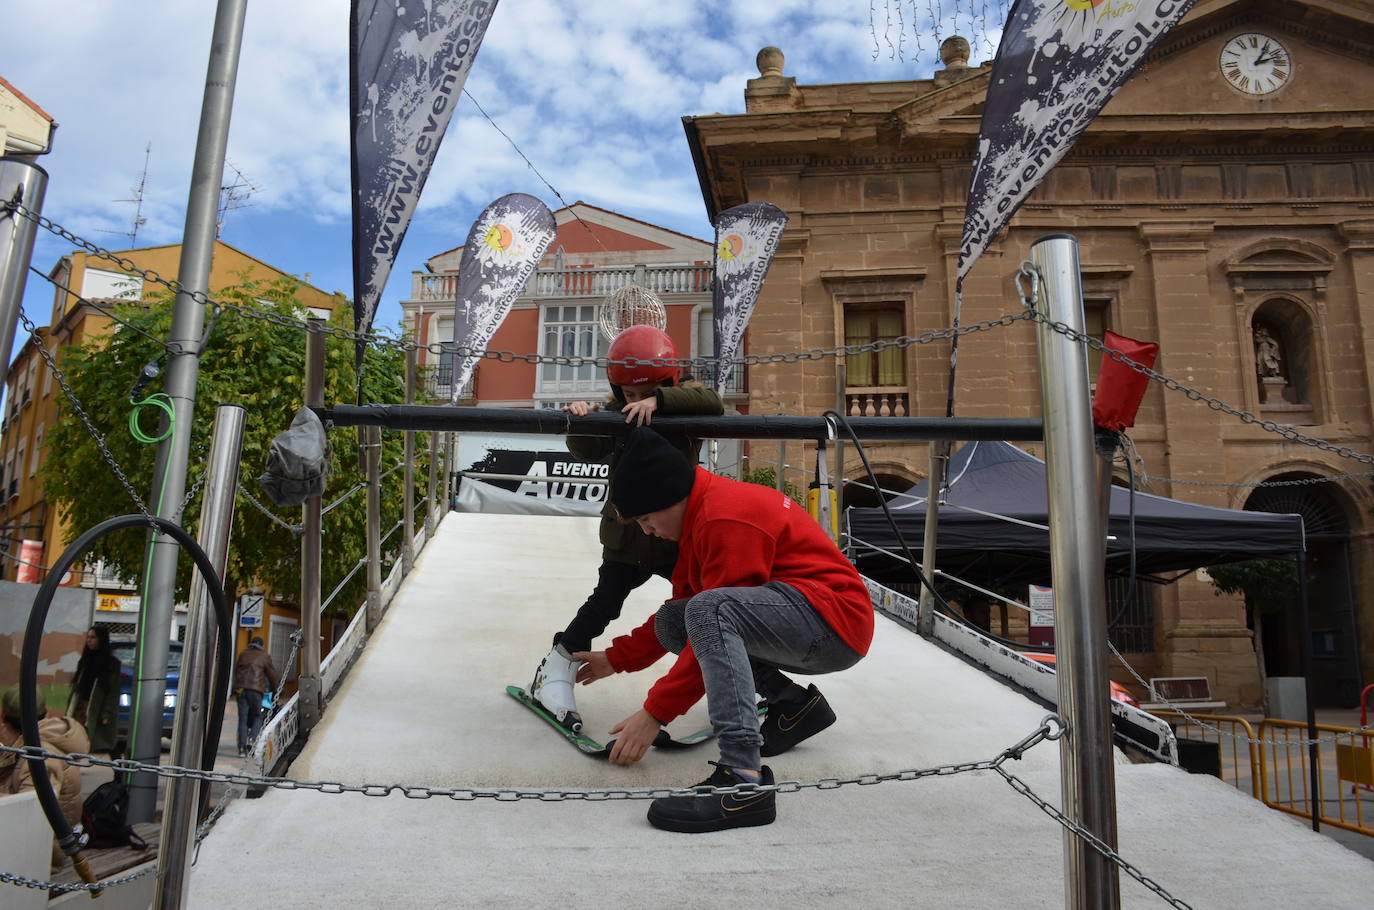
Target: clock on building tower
1256, 64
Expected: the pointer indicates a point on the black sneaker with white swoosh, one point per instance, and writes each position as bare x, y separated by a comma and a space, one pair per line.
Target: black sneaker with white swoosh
719, 811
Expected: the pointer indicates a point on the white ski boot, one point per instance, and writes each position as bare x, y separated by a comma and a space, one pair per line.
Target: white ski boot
553, 687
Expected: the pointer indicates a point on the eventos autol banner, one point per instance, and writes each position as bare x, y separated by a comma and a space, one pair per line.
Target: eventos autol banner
746, 238
408, 63
504, 246
1059, 63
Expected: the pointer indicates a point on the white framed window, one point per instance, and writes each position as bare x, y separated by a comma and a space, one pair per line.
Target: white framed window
47, 376
279, 644
19, 454
570, 330
37, 450
99, 284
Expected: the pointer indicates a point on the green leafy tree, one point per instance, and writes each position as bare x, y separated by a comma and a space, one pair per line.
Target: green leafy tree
247, 361
1268, 586
768, 477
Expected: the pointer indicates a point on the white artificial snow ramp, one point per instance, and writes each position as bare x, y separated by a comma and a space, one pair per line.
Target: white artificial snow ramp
425, 706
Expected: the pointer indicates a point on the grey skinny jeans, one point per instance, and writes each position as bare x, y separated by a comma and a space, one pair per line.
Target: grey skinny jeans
736, 631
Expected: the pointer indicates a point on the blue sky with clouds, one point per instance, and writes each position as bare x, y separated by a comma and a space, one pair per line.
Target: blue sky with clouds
592, 93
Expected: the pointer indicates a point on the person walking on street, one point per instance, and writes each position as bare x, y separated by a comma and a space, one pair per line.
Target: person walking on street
94, 699
254, 674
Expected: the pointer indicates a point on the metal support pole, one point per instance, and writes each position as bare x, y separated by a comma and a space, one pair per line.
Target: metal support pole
179, 808
308, 684
372, 452
183, 368
782, 460
935, 492
433, 497
1304, 623
1077, 562
841, 383
25, 183
408, 507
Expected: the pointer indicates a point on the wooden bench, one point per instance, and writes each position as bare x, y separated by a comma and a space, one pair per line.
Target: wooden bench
1189, 693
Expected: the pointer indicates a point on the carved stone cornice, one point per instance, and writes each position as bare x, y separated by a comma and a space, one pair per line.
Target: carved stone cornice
1358, 235
1177, 237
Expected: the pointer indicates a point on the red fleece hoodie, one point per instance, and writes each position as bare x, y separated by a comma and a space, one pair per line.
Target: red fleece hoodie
743, 535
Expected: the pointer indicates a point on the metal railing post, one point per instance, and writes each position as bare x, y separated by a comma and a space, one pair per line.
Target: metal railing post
778, 470
935, 492
372, 455
433, 498
408, 507
1077, 563
308, 683
180, 804
24, 182
157, 618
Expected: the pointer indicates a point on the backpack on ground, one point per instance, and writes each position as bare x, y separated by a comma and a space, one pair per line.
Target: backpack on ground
105, 815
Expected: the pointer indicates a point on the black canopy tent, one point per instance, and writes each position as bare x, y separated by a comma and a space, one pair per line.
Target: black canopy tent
997, 479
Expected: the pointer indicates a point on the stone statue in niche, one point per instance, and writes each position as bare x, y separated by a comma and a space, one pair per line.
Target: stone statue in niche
1268, 359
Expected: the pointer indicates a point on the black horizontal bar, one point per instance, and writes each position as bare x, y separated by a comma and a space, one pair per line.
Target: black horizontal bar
731, 426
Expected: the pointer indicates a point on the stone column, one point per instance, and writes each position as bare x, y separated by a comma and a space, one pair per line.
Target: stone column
1203, 635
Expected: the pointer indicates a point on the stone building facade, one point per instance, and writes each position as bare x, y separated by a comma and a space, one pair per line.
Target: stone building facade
1228, 220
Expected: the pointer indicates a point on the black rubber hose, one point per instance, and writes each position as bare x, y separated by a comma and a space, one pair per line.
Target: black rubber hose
33, 635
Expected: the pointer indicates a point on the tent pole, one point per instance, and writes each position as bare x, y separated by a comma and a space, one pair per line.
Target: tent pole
1077, 553
1304, 621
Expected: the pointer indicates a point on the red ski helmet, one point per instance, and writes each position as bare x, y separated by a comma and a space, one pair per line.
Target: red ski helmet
642, 343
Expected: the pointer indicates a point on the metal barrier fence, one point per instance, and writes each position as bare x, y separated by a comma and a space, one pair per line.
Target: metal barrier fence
1273, 765
285, 726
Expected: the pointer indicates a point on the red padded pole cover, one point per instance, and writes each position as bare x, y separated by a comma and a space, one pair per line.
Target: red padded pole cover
1120, 389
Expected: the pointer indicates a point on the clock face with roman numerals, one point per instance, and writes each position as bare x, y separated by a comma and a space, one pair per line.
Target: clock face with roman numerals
1256, 64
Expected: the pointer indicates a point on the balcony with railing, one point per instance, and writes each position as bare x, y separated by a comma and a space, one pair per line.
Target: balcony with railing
574, 282
876, 401
439, 383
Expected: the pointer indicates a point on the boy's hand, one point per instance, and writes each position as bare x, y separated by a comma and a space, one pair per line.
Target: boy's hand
636, 734
581, 408
641, 413
595, 665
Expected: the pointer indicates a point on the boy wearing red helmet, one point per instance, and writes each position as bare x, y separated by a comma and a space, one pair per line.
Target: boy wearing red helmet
639, 390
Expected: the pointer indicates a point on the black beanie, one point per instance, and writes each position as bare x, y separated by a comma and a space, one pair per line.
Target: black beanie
650, 475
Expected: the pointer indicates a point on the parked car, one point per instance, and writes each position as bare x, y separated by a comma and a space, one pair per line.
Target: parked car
1119, 692
125, 651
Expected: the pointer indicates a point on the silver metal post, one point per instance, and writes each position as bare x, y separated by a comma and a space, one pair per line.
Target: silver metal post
23, 182
433, 498
183, 368
841, 383
1077, 559
308, 684
179, 808
372, 451
935, 492
408, 507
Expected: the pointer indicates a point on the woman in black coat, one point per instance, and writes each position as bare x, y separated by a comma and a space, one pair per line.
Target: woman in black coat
95, 690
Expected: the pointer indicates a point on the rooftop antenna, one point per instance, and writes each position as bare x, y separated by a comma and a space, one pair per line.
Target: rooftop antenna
233, 196
139, 220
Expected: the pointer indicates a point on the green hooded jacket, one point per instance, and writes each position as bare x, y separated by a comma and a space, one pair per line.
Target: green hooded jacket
623, 541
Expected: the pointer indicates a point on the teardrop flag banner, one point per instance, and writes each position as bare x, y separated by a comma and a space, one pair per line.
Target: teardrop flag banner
746, 238
1059, 63
504, 246
408, 63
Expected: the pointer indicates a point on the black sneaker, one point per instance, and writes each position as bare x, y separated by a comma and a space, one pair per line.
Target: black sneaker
697, 814
789, 722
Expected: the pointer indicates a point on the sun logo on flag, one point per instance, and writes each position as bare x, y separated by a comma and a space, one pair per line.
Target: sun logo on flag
730, 248
499, 237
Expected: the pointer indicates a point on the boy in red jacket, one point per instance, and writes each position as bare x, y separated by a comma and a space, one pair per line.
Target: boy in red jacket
758, 587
